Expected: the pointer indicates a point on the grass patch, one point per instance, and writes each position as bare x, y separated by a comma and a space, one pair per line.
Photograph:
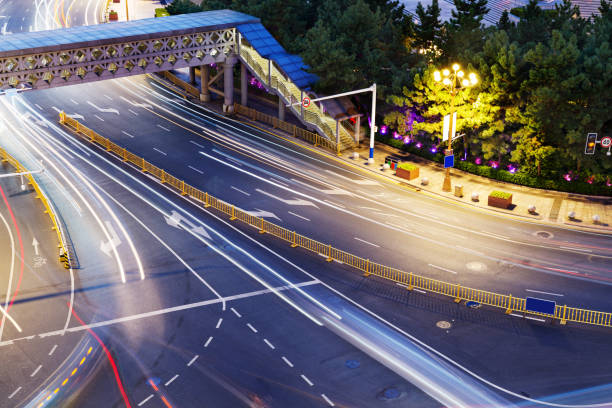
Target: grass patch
407, 166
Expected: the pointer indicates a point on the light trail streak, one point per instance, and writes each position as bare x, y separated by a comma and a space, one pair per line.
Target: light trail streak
8, 291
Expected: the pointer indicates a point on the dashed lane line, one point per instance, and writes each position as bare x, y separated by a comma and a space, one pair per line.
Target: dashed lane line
193, 360
543, 293
441, 268
99, 117
197, 170
299, 216
132, 112
235, 312
127, 134
144, 401
252, 328
14, 392
269, 344
160, 151
161, 127
240, 191
36, 371
306, 380
208, 341
52, 350
286, 360
219, 323
170, 381
331, 404
366, 242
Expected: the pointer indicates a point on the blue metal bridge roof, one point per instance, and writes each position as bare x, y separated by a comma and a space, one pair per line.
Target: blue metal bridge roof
267, 46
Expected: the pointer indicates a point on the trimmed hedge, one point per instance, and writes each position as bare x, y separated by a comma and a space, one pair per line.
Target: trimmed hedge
577, 187
407, 166
500, 194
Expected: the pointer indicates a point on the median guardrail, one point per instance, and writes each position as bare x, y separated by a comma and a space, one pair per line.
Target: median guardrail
410, 280
65, 256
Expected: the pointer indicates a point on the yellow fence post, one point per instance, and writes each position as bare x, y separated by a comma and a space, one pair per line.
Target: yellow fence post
144, 169
458, 297
261, 229
294, 243
206, 205
108, 146
509, 309
367, 268
329, 258
163, 177
183, 192
410, 287
233, 217
563, 320
62, 116
125, 154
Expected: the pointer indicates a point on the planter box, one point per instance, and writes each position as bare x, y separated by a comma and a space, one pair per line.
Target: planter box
407, 174
500, 202
113, 17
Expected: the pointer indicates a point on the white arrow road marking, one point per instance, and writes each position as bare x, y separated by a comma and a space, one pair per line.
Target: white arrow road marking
106, 110
115, 241
35, 245
288, 202
363, 182
176, 220
73, 116
139, 105
262, 214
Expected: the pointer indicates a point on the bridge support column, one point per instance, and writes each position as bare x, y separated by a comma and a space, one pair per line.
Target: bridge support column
244, 85
281, 109
204, 77
228, 83
192, 75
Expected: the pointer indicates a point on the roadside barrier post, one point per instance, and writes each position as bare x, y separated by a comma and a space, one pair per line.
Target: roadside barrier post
183, 192
509, 309
563, 321
262, 230
206, 205
294, 243
410, 287
367, 268
233, 217
329, 258
144, 169
163, 177
458, 298
125, 155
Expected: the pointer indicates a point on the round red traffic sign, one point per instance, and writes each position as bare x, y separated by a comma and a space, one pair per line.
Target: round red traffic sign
606, 141
306, 102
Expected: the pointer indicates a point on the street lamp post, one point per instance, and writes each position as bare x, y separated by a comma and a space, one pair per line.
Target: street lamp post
454, 81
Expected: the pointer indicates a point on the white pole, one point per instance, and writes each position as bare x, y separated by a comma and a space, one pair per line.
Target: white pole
372, 125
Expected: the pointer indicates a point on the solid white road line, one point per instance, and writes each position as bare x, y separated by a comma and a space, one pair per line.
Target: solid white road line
441, 268
127, 134
14, 392
306, 379
193, 360
161, 127
194, 169
108, 97
363, 182
98, 117
36, 371
331, 404
144, 401
299, 216
269, 344
544, 293
208, 341
286, 360
240, 191
535, 318
279, 182
366, 242
235, 312
52, 350
336, 204
576, 249
494, 235
160, 151
171, 380
420, 291
219, 323
252, 328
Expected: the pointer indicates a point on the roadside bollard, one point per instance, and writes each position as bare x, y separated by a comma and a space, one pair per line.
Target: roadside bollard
355, 155
386, 166
571, 215
424, 181
475, 196
596, 219
531, 209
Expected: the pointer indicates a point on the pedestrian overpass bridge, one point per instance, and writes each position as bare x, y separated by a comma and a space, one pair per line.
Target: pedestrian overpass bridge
48, 59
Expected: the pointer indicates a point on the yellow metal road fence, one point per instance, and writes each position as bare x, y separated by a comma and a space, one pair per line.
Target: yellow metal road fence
459, 293
65, 257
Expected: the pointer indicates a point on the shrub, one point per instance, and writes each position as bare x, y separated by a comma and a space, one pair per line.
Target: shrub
500, 194
407, 166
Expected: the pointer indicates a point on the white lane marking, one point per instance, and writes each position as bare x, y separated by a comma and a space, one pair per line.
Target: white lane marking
36, 371
14, 392
544, 293
306, 379
160, 126
279, 182
535, 318
99, 117
576, 249
235, 312
108, 97
159, 151
269, 344
38, 106
335, 204
144, 401
52, 350
408, 287
366, 242
171, 380
363, 182
435, 217
127, 134
132, 112
286, 360
441, 268
219, 323
197, 144
252, 328
208, 341
193, 360
194, 169
240, 191
73, 101
494, 235
160, 312
299, 216
331, 404
106, 110
420, 291
296, 201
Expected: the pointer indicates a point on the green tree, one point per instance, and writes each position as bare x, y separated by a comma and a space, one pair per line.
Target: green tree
183, 7
428, 32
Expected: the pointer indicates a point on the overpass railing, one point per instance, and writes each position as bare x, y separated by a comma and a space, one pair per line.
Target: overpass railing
65, 256
368, 267
267, 73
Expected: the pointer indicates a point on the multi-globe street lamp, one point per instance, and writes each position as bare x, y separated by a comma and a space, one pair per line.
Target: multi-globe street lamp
454, 80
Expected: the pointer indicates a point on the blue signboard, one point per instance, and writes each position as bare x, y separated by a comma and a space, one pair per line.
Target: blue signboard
540, 306
449, 161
